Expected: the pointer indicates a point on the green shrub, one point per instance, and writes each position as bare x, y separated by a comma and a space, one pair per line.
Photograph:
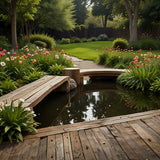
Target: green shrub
40, 43
4, 43
75, 40
146, 44
7, 86
65, 41
155, 87
102, 37
33, 75
120, 43
44, 38
56, 70
112, 60
102, 58
120, 66
15, 121
84, 40
138, 78
92, 39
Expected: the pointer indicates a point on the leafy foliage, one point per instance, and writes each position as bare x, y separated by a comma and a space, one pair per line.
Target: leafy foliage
15, 121
139, 78
44, 38
7, 86
120, 43
155, 87
33, 75
56, 69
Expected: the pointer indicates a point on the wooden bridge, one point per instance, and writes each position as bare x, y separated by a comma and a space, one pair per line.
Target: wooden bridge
129, 137
34, 92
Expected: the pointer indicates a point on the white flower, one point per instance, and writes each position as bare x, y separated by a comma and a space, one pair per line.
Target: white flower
3, 63
21, 100
34, 115
7, 59
8, 53
1, 104
27, 109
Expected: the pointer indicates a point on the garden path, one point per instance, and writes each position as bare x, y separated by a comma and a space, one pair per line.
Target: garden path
86, 64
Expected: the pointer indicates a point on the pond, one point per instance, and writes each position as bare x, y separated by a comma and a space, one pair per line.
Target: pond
92, 101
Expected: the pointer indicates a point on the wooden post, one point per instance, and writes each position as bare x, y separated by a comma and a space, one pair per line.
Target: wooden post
73, 73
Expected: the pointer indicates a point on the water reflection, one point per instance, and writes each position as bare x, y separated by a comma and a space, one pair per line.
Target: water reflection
92, 101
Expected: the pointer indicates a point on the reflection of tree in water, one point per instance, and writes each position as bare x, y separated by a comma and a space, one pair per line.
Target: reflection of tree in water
74, 113
109, 104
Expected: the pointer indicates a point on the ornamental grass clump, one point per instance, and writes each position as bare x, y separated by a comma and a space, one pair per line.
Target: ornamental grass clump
15, 122
142, 74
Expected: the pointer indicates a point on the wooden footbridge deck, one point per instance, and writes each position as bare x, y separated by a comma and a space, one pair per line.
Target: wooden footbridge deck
34, 92
134, 137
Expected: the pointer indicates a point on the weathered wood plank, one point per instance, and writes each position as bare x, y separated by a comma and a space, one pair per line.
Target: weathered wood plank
93, 124
51, 147
115, 147
44, 90
22, 150
42, 154
96, 147
87, 150
5, 150
59, 147
148, 135
17, 94
76, 146
67, 147
131, 143
153, 123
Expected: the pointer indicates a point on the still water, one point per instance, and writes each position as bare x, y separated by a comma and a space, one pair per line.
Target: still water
92, 101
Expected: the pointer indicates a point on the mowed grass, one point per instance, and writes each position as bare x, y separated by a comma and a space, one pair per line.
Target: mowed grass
91, 50
87, 50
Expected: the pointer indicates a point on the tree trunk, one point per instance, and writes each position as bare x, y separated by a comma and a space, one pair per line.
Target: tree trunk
133, 29
132, 7
13, 23
105, 21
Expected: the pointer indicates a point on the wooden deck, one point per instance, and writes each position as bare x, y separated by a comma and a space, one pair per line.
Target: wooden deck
34, 92
134, 137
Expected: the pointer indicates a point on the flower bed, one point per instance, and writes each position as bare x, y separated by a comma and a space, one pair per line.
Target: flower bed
28, 64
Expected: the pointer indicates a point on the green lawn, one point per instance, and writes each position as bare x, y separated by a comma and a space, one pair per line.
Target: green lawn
87, 51
91, 50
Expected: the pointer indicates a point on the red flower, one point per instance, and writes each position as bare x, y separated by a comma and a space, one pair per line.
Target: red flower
129, 66
131, 48
16, 47
137, 66
55, 49
22, 53
0, 49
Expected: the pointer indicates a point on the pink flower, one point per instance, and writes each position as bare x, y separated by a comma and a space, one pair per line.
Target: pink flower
14, 53
29, 55
20, 62
47, 52
4, 51
3, 63
56, 56
27, 49
119, 57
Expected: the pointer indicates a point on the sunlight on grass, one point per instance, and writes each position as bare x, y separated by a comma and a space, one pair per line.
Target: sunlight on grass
87, 51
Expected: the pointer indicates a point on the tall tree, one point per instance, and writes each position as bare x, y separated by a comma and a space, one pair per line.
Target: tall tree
80, 10
55, 14
132, 7
100, 9
9, 8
